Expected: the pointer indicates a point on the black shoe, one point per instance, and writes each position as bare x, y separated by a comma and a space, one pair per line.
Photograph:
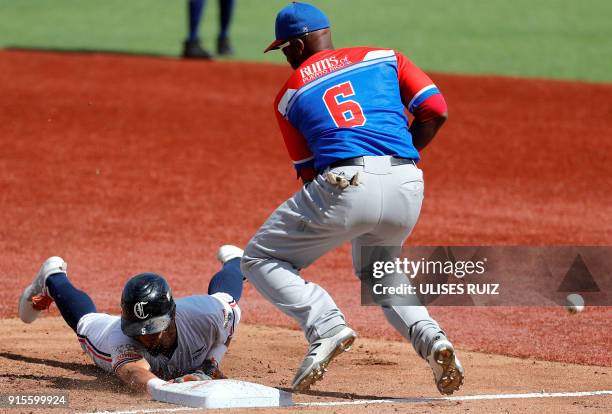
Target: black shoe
193, 50
224, 47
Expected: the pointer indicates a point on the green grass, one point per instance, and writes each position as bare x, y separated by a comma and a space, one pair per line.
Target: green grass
569, 39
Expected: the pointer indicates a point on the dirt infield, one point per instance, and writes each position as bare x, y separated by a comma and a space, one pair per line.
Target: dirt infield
373, 370
125, 164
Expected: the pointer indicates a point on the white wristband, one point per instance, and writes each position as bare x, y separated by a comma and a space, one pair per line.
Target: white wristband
153, 383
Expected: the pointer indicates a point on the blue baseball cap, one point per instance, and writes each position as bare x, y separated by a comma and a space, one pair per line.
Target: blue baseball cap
297, 19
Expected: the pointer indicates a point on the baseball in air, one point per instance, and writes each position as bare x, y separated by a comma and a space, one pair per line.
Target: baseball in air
574, 303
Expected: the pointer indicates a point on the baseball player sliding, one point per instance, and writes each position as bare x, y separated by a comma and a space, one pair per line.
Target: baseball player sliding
156, 338
342, 117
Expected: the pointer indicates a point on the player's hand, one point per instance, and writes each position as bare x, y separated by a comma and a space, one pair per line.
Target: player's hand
307, 174
211, 368
194, 376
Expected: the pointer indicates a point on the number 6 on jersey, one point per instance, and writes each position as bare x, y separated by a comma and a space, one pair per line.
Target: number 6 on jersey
346, 113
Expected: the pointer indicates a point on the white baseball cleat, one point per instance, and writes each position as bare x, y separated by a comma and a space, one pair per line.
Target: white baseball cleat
35, 298
447, 370
320, 353
228, 252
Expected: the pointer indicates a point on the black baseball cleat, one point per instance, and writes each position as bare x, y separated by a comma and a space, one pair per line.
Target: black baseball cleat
192, 49
224, 47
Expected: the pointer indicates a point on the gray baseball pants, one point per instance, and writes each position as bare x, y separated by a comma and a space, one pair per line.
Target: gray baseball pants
380, 211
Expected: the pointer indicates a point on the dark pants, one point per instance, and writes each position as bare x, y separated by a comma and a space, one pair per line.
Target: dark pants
194, 11
228, 280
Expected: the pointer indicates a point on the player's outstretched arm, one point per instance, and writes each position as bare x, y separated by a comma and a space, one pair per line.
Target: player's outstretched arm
137, 375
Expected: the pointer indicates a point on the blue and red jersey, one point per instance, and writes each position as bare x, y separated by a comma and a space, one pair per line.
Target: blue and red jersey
351, 102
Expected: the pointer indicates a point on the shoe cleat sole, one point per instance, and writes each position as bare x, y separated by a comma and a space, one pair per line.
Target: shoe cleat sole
317, 374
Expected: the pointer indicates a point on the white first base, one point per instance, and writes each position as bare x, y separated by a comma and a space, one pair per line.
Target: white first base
225, 393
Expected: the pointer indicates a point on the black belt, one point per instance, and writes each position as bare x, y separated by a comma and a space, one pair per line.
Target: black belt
360, 161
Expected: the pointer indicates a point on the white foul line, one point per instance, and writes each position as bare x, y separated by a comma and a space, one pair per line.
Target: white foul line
460, 398
393, 401
147, 410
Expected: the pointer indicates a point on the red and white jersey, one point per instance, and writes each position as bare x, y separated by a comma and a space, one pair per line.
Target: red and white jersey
204, 324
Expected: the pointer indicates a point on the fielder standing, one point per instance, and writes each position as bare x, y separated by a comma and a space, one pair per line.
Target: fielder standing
341, 114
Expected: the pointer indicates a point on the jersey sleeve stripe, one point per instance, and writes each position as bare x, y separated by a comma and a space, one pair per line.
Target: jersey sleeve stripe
84, 338
124, 361
421, 95
93, 352
377, 54
282, 105
304, 166
303, 160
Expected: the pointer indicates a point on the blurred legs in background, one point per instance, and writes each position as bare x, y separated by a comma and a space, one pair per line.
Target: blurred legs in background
192, 48
226, 10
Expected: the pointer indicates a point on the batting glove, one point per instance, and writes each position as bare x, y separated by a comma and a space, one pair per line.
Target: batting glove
211, 368
194, 376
